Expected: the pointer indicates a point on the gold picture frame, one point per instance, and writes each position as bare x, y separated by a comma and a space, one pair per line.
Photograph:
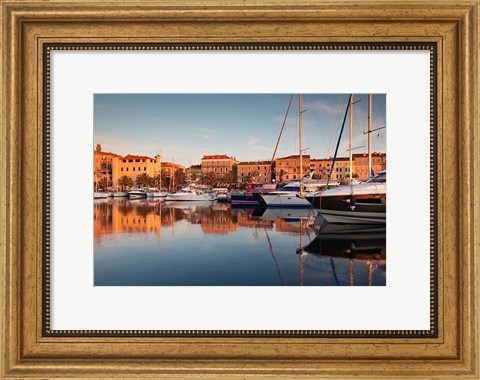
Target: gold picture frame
32, 28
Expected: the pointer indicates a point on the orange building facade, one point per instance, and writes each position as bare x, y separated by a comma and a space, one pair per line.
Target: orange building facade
379, 163
255, 171
132, 166
219, 164
288, 168
194, 172
103, 167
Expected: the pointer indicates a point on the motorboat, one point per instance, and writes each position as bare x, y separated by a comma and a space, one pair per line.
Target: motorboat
365, 203
221, 194
100, 194
190, 194
290, 195
156, 193
137, 194
120, 194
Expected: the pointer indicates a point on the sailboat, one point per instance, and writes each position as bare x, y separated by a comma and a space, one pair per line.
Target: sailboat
364, 203
285, 197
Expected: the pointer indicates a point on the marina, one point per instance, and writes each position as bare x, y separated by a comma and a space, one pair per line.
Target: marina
285, 220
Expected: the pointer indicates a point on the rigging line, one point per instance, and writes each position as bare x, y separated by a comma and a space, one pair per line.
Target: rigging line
332, 263
279, 136
334, 126
279, 273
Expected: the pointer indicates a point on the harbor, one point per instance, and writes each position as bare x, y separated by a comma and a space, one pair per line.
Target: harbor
290, 220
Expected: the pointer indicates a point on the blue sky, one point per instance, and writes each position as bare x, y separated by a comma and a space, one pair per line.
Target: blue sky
187, 126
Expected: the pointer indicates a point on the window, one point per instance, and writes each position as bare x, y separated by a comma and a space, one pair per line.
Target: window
143, 160
137, 160
133, 169
130, 160
242, 175
121, 169
127, 169
144, 169
226, 170
124, 161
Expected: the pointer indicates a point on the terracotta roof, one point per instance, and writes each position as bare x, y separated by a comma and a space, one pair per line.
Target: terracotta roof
374, 154
133, 157
294, 156
254, 163
217, 156
107, 153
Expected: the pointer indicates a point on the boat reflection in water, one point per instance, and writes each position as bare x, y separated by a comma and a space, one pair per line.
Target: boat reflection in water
149, 242
360, 247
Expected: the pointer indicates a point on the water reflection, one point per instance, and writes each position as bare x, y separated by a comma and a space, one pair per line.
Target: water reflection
151, 242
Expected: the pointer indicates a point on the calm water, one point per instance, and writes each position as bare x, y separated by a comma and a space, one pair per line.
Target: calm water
156, 243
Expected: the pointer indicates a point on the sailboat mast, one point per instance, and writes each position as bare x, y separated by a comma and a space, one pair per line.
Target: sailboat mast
173, 174
369, 135
300, 138
351, 137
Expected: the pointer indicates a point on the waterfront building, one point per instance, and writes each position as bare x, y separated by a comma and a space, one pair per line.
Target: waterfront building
132, 166
102, 167
194, 172
171, 167
379, 163
288, 168
253, 171
321, 167
219, 164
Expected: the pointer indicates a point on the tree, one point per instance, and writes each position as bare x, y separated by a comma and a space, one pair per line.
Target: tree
103, 183
143, 180
125, 182
156, 180
230, 179
179, 176
210, 179
281, 174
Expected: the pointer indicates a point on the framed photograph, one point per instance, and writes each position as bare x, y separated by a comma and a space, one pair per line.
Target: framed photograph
200, 189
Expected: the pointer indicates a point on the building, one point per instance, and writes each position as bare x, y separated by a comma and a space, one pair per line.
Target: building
194, 172
254, 171
320, 167
132, 166
171, 167
102, 167
379, 163
219, 164
288, 168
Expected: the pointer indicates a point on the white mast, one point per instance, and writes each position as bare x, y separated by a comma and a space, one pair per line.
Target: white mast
300, 139
173, 173
369, 135
351, 136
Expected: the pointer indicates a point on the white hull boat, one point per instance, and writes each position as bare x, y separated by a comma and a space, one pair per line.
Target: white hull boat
189, 194
99, 195
284, 199
365, 203
137, 194
120, 194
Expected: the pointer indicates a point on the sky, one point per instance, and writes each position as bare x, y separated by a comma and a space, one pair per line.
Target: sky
185, 127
